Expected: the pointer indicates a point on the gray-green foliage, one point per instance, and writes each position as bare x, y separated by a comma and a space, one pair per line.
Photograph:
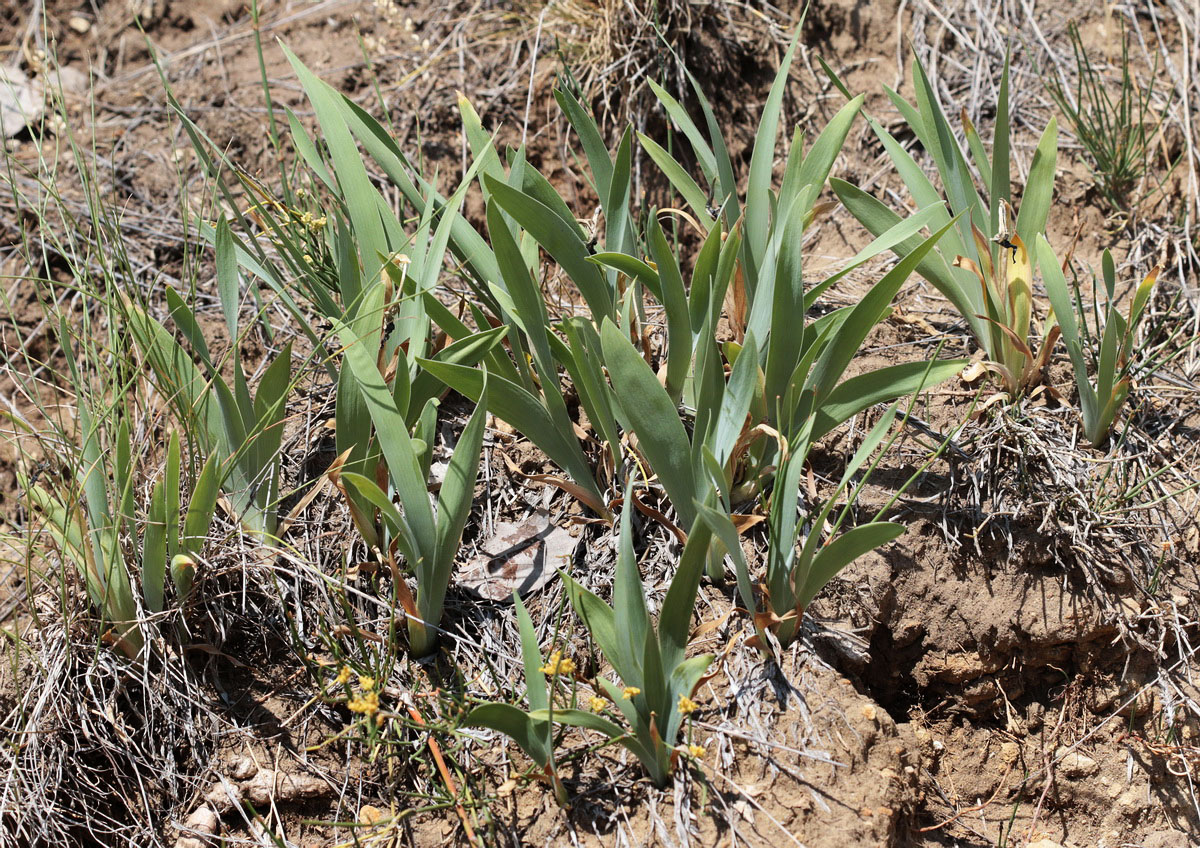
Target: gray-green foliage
372, 281
131, 521
1114, 355
752, 433
791, 383
94, 522
728, 428
649, 657
643, 711
428, 540
980, 265
243, 431
534, 736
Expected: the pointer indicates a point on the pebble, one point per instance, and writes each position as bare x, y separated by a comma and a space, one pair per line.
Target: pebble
370, 815
243, 768
1074, 764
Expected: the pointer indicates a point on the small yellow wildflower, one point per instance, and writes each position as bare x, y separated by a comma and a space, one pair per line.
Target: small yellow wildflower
367, 683
687, 706
307, 258
312, 222
696, 751
368, 704
343, 676
630, 692
597, 703
558, 665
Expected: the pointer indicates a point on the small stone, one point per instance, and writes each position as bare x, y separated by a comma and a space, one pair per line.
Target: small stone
79, 23
1074, 764
1103, 698
1010, 752
243, 768
869, 712
520, 556
369, 814
1133, 798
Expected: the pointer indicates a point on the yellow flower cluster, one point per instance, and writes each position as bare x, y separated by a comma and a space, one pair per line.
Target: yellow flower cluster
630, 692
312, 222
367, 704
558, 665
696, 751
597, 703
687, 706
366, 701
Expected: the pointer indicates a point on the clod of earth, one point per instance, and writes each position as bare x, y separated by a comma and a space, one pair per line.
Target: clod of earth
267, 787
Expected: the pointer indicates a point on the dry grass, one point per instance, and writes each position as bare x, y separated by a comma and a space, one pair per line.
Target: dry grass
612, 47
